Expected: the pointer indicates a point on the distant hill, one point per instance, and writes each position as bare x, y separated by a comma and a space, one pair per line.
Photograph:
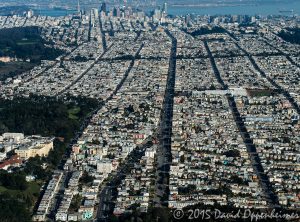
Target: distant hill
13, 10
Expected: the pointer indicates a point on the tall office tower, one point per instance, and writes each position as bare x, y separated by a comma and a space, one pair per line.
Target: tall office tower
118, 12
30, 13
187, 19
115, 12
103, 7
78, 7
130, 10
165, 8
96, 12
156, 15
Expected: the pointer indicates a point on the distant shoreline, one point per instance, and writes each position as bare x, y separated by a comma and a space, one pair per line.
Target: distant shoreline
57, 9
210, 5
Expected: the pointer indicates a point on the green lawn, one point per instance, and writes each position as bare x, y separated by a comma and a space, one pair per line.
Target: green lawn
12, 69
17, 205
73, 112
2, 189
33, 189
26, 43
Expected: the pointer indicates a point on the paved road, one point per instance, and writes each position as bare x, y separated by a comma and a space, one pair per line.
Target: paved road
82, 127
269, 194
54, 64
104, 199
104, 195
263, 74
164, 157
102, 34
108, 191
84, 72
59, 195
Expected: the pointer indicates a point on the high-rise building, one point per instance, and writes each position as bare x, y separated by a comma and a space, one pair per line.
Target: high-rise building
30, 13
130, 10
103, 7
115, 12
78, 7
165, 8
187, 19
118, 12
96, 12
156, 15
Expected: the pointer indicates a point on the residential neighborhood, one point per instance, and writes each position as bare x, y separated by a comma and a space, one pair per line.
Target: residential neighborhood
192, 109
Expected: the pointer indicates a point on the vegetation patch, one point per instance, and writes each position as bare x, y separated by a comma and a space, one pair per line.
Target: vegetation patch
46, 116
26, 48
261, 92
206, 31
291, 35
73, 113
17, 193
